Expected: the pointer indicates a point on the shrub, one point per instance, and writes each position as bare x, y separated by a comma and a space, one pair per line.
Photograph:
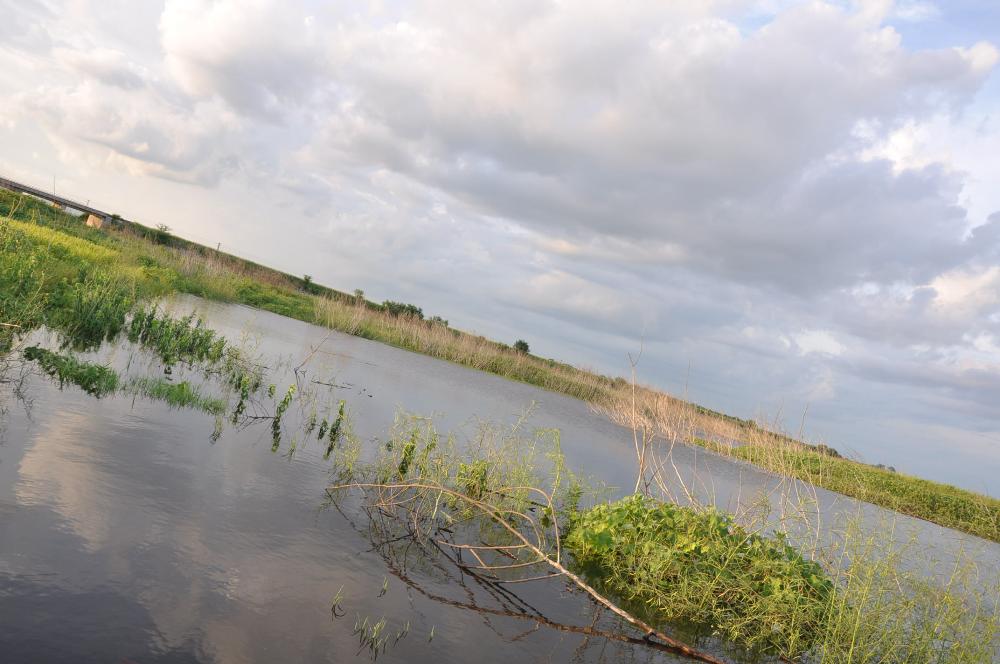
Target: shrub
521, 346
402, 309
700, 568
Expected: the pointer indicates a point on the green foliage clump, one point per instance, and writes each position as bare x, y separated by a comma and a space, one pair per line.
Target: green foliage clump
700, 568
94, 379
335, 429
176, 339
269, 298
178, 395
279, 412
403, 309
91, 310
521, 346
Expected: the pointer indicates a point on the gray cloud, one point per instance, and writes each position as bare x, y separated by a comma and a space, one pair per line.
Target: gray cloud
720, 181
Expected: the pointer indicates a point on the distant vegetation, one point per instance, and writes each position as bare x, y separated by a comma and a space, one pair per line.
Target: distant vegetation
402, 309
941, 503
85, 283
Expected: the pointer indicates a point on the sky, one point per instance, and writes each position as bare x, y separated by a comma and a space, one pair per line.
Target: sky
793, 208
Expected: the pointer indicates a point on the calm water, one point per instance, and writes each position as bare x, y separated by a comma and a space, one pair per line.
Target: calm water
127, 535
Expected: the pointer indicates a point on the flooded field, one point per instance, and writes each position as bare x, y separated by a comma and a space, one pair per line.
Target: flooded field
131, 531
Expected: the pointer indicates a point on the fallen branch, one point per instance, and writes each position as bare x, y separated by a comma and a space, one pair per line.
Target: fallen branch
499, 516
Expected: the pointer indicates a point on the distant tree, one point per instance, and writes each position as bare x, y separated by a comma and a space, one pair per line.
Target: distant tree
162, 234
307, 282
359, 295
402, 309
827, 450
521, 346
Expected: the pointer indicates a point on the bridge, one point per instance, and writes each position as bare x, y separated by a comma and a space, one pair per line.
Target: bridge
106, 217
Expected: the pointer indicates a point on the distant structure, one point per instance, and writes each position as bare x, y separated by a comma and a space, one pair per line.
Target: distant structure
99, 216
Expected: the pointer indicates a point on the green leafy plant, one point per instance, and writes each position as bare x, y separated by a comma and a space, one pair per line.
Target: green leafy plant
94, 379
698, 567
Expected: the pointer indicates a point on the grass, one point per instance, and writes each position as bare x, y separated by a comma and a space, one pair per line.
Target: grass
94, 379
84, 283
177, 395
941, 503
99, 381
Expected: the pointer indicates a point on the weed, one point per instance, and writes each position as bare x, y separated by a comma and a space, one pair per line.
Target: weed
185, 339
279, 412
94, 379
178, 395
699, 567
335, 429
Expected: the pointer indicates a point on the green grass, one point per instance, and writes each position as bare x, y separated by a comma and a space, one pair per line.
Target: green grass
940, 503
697, 569
99, 381
94, 379
178, 395
681, 565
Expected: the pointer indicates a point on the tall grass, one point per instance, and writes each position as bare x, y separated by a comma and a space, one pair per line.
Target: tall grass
940, 503
436, 340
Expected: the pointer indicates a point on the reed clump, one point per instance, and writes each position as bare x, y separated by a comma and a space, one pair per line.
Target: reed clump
437, 340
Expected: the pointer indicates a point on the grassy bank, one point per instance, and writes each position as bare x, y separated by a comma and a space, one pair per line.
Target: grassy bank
86, 282
941, 503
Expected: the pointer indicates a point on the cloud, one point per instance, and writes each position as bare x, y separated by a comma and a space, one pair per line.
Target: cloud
259, 56
106, 65
740, 151
797, 200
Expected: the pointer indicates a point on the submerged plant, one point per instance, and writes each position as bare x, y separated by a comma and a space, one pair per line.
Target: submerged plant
335, 429
176, 339
94, 379
279, 412
178, 395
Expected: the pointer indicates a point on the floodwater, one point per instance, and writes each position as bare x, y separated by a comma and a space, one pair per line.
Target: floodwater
128, 535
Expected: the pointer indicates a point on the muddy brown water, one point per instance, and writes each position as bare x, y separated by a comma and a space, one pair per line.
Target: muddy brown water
127, 535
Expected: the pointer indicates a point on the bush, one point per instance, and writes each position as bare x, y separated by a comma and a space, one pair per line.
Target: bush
402, 309
700, 568
521, 346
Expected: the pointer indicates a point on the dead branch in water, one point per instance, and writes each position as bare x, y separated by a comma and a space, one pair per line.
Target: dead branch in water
424, 507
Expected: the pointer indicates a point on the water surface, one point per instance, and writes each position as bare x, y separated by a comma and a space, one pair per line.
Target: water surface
128, 535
